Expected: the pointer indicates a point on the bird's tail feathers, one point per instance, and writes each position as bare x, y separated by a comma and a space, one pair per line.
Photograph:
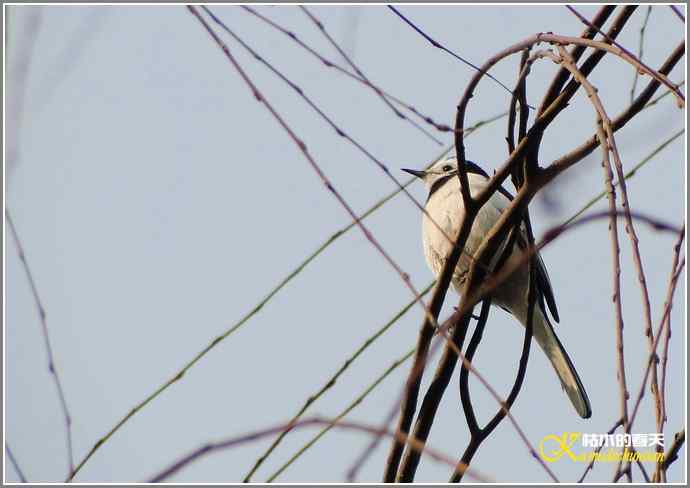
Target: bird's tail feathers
570, 381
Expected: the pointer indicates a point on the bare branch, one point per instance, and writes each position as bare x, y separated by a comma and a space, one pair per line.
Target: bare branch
607, 143
577, 51
672, 454
598, 449
253, 436
330, 64
15, 464
676, 11
359, 72
341, 415
329, 384
640, 51
443, 48
635, 61
582, 151
673, 281
660, 473
677, 247
52, 368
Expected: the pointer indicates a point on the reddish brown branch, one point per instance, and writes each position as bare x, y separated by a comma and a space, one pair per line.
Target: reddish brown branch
359, 72
673, 281
677, 247
607, 144
634, 59
586, 148
577, 51
254, 436
330, 64
672, 453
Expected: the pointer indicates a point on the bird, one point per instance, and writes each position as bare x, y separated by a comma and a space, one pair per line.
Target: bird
444, 212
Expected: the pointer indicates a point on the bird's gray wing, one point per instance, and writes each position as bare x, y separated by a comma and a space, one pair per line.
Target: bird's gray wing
545, 292
544, 285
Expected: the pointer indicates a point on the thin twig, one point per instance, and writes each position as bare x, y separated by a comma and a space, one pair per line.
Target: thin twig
634, 60
330, 64
554, 103
643, 470
634, 244
524, 70
577, 51
672, 453
676, 11
331, 382
598, 449
640, 51
607, 143
673, 281
443, 48
15, 464
663, 95
359, 72
340, 416
660, 473
677, 247
46, 339
586, 148
253, 436
629, 174
348, 60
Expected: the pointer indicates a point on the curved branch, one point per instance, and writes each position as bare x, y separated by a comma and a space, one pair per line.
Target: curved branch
253, 436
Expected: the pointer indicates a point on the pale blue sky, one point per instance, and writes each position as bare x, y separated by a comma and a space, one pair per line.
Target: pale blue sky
158, 202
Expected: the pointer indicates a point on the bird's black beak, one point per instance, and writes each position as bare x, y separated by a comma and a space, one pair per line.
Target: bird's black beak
414, 172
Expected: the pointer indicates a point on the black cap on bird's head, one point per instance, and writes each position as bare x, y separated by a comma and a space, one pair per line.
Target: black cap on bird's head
443, 168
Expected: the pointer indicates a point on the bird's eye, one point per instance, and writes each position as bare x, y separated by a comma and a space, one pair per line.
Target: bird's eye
447, 168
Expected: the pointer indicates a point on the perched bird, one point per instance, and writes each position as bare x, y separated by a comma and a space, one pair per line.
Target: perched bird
441, 222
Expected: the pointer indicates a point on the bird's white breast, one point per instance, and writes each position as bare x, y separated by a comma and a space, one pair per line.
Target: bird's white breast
446, 209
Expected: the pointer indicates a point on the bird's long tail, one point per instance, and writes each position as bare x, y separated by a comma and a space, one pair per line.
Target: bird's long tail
546, 338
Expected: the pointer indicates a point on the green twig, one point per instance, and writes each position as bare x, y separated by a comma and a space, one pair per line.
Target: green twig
663, 95
331, 381
627, 175
640, 52
347, 410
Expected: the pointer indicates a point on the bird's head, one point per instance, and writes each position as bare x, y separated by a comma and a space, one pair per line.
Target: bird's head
438, 170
